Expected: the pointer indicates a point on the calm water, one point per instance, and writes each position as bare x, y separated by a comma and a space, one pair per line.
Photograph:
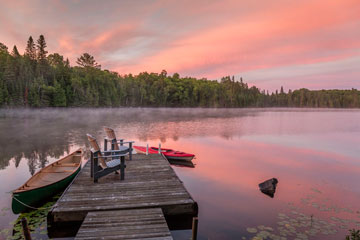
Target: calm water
314, 154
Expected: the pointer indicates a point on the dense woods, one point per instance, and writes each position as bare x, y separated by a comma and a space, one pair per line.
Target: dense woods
39, 79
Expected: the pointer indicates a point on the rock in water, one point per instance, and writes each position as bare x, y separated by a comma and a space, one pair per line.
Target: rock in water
269, 187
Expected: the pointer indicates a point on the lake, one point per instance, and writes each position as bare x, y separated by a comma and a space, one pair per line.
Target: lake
313, 153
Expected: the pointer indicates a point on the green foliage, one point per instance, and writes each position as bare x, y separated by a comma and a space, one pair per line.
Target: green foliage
354, 235
30, 50
15, 53
3, 48
59, 96
87, 61
41, 52
37, 80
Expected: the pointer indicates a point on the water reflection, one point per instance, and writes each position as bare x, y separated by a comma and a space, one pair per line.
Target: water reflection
179, 163
312, 183
35, 135
313, 154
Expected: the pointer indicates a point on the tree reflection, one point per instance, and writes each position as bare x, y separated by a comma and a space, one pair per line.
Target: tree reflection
37, 134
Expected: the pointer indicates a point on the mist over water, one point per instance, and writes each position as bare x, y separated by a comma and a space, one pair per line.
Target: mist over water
314, 153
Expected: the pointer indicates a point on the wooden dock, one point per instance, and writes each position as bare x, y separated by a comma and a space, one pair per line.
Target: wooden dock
125, 224
150, 182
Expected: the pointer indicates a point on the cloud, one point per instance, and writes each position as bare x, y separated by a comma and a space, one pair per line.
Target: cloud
202, 39
342, 73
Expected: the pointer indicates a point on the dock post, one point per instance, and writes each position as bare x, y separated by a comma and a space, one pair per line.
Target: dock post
147, 149
26, 230
91, 164
122, 167
159, 148
194, 228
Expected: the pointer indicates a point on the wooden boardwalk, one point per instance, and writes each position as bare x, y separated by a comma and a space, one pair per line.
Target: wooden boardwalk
125, 224
150, 182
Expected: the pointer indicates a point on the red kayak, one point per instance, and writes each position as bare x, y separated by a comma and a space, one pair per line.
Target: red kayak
168, 153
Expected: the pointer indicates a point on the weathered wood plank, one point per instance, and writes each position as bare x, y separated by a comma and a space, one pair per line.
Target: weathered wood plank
125, 224
150, 183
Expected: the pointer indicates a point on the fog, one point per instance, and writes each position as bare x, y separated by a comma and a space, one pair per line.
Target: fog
35, 134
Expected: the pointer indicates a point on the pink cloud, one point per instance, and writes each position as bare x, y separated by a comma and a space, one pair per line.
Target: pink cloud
199, 38
243, 44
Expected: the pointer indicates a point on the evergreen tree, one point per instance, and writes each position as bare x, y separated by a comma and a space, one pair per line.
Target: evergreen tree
42, 81
59, 96
56, 60
34, 96
86, 61
42, 69
30, 50
11, 81
41, 52
15, 53
3, 48
67, 62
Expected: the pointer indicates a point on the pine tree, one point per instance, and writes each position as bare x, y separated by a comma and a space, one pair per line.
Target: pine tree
55, 60
3, 48
30, 50
2, 98
86, 60
67, 62
11, 80
42, 68
41, 52
59, 96
15, 53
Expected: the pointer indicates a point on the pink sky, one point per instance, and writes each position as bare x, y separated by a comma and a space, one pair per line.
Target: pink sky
310, 43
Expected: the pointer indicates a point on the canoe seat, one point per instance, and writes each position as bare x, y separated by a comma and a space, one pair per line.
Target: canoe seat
67, 165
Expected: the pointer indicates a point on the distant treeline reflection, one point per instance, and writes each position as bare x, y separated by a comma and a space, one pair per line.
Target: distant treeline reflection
34, 135
36, 79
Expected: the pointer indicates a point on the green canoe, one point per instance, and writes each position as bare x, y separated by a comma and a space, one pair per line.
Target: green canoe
47, 182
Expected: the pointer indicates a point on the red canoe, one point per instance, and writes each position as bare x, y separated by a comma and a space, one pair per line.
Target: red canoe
168, 153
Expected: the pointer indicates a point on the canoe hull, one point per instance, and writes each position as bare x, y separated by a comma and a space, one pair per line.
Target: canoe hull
36, 197
142, 150
168, 153
179, 158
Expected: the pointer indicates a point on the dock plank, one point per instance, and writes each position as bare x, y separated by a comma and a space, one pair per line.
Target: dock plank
125, 224
150, 182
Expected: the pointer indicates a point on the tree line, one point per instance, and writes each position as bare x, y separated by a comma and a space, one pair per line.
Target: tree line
38, 79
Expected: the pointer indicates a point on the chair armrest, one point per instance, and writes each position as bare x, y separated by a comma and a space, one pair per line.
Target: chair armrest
113, 151
112, 139
128, 142
111, 156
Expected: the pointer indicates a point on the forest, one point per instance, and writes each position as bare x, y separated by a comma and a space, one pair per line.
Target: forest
38, 79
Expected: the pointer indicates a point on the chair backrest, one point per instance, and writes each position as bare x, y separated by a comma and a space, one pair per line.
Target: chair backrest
110, 133
95, 146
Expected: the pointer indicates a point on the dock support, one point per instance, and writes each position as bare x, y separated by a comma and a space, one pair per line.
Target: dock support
26, 230
151, 175
194, 228
122, 168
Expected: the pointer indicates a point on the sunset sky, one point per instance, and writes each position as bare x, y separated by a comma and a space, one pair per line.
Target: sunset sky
308, 43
